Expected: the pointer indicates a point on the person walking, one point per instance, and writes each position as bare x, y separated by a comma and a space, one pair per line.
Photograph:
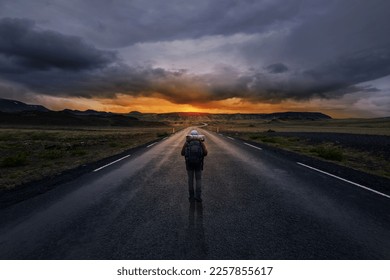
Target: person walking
194, 150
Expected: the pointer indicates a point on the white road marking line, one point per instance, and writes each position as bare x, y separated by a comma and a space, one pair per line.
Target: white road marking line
220, 134
165, 138
230, 138
115, 161
151, 145
253, 146
345, 180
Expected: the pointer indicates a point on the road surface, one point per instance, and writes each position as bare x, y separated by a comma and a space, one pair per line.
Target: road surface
256, 205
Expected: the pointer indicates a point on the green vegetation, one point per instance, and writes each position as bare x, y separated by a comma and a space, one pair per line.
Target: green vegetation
31, 154
79, 152
14, 161
53, 154
328, 152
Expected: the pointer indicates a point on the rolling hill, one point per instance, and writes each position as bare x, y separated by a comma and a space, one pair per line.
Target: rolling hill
16, 113
13, 106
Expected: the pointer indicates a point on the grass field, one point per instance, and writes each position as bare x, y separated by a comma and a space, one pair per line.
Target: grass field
362, 144
31, 154
355, 126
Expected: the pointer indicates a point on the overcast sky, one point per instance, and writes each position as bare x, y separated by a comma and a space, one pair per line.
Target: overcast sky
213, 55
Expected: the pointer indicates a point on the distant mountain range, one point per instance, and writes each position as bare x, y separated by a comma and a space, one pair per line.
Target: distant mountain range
18, 113
238, 116
88, 112
13, 106
14, 112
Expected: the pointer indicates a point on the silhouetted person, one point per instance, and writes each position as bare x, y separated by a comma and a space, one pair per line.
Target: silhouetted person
194, 151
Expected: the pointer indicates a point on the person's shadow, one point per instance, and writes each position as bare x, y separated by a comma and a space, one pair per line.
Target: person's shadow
196, 238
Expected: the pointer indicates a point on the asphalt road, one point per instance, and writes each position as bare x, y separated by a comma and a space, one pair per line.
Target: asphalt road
256, 205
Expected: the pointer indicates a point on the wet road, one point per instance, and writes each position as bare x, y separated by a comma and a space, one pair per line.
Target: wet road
256, 205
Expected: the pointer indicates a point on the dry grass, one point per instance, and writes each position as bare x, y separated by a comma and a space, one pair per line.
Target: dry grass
31, 154
354, 126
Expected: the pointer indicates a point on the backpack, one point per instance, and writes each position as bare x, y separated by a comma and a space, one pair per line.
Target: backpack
194, 153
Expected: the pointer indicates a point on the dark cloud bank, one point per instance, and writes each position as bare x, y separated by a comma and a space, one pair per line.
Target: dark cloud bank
52, 63
24, 48
121, 23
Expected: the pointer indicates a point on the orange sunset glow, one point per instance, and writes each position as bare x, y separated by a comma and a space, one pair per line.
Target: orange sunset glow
126, 104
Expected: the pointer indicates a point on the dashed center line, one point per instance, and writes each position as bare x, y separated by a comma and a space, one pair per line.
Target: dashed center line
345, 180
253, 146
231, 138
115, 161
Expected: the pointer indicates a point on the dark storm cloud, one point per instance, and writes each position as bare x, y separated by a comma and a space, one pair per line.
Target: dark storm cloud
26, 48
331, 80
100, 82
121, 23
277, 68
326, 30
296, 49
354, 68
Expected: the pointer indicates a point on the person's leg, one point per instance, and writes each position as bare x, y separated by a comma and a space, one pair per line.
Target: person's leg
198, 177
190, 173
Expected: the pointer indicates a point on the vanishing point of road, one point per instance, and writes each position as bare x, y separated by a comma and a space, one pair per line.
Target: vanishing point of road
256, 205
